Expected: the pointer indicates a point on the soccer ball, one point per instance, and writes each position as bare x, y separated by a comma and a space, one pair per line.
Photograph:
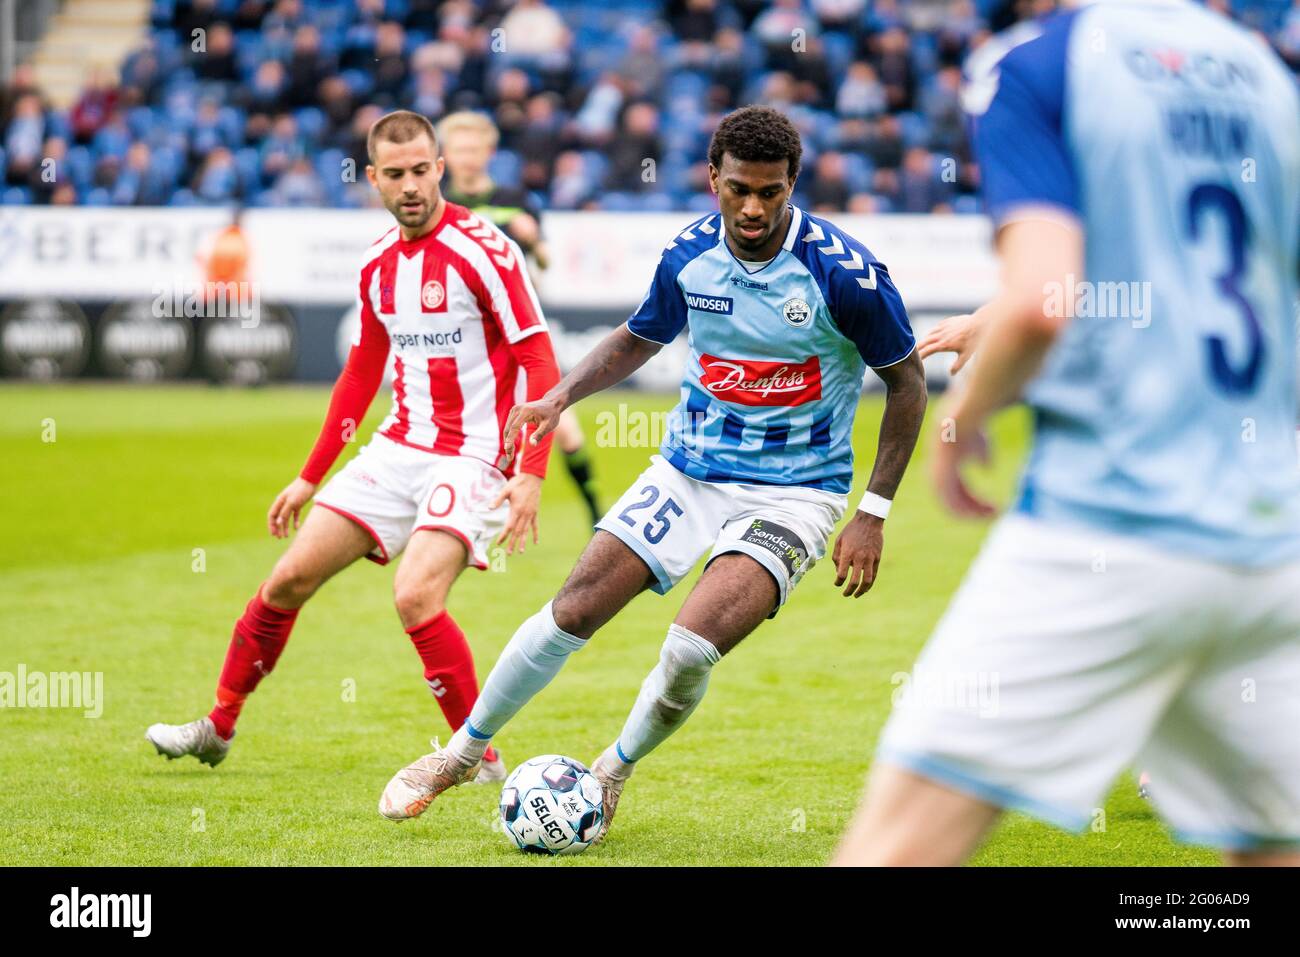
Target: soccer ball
551, 805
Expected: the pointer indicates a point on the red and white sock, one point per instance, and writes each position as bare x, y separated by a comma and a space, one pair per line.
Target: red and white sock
260, 635
448, 668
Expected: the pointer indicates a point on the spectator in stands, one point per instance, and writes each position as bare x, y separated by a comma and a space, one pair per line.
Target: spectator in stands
842, 15
136, 185
829, 190
307, 67
266, 94
191, 20
281, 149
635, 153
849, 73
728, 66
540, 139
53, 168
925, 185
214, 57
92, 109
571, 186
941, 106
861, 93
23, 139
389, 71
884, 142
598, 117
784, 30
891, 54
298, 186
642, 68
218, 180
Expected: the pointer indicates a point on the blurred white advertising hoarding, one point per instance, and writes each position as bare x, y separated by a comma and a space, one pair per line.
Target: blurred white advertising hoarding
599, 260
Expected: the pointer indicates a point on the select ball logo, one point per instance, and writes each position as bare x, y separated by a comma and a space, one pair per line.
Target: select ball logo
551, 805
796, 313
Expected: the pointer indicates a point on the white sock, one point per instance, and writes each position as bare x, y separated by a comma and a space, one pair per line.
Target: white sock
668, 695
534, 656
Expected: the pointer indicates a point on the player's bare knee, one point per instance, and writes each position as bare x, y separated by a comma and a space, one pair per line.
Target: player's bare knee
573, 613
291, 584
416, 603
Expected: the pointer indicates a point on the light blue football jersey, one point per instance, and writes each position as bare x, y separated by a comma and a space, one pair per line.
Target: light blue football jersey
777, 355
1167, 408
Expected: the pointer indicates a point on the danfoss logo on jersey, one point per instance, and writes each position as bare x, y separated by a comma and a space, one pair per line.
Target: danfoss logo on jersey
756, 382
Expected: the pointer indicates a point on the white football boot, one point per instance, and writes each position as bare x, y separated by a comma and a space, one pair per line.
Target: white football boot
611, 788
491, 772
413, 788
198, 738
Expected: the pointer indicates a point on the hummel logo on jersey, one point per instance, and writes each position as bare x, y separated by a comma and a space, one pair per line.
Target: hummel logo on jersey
755, 382
719, 304
744, 283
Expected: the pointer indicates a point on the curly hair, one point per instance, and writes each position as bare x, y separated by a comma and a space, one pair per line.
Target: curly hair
757, 134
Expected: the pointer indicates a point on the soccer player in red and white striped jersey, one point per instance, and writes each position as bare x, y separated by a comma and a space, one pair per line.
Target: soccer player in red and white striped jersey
447, 294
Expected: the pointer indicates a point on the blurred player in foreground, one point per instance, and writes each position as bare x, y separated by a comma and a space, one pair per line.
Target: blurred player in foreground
449, 294
1142, 602
784, 314
468, 141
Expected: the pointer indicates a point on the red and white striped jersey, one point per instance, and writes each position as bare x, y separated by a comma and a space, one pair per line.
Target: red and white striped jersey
451, 303
458, 311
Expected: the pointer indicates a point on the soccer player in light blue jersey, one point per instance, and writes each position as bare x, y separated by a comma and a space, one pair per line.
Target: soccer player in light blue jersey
1140, 605
784, 313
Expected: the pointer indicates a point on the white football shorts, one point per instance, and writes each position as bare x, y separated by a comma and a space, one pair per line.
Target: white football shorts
670, 519
393, 491
1069, 654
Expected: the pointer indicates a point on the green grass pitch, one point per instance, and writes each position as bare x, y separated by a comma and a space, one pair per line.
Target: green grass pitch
98, 573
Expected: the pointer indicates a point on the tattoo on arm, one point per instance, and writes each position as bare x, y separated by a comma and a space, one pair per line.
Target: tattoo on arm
900, 425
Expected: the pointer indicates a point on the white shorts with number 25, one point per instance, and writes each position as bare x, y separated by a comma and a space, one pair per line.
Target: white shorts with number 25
670, 519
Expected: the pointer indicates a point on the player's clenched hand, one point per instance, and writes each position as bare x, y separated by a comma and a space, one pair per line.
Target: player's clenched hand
540, 416
955, 334
954, 447
857, 554
287, 505
524, 493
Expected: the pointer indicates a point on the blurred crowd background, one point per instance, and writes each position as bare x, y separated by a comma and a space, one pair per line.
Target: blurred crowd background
602, 104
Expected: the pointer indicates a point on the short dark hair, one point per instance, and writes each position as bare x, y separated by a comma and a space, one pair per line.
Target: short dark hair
757, 134
400, 126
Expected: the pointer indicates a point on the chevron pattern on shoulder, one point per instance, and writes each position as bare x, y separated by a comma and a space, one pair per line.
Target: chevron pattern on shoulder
490, 238
834, 248
686, 235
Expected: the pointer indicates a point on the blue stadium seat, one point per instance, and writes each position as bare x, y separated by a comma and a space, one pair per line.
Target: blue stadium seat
16, 196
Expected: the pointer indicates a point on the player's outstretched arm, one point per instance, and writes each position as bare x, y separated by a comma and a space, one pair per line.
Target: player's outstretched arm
858, 548
957, 334
615, 358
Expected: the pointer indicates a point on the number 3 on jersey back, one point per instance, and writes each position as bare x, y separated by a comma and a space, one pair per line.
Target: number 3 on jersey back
1238, 381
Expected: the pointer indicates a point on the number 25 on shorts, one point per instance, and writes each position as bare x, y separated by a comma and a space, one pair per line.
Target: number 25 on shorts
654, 530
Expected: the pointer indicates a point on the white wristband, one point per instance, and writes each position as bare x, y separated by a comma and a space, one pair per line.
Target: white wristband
874, 504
